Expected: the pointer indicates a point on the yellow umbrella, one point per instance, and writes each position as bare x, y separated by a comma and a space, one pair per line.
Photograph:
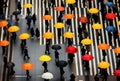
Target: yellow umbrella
3, 23
27, 5
93, 10
13, 28
59, 25
117, 50
45, 58
86, 41
70, 1
68, 35
97, 26
118, 22
24, 36
48, 35
104, 65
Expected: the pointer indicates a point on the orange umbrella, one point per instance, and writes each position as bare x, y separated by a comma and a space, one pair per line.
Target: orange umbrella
47, 17
103, 46
4, 43
59, 8
68, 35
118, 33
68, 16
3, 23
48, 35
104, 65
117, 50
27, 66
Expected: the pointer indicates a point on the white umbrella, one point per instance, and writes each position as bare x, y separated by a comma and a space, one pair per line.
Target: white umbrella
47, 75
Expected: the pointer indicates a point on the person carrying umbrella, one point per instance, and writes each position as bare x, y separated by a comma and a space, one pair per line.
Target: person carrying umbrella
34, 18
96, 77
45, 66
61, 72
71, 57
56, 56
14, 36
26, 55
19, 6
37, 33
32, 33
72, 77
28, 75
28, 18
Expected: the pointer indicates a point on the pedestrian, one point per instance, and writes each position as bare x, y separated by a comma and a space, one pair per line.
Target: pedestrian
14, 35
71, 57
3, 50
61, 72
46, 25
104, 54
70, 42
96, 77
23, 42
105, 75
34, 19
83, 50
47, 48
37, 33
28, 18
28, 75
45, 66
32, 33
26, 55
56, 56
72, 77
10, 66
22, 48
28, 11
5, 60
19, 6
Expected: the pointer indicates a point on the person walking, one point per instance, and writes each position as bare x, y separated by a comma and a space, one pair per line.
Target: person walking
28, 75
56, 56
26, 55
45, 66
14, 35
72, 77
96, 77
37, 33
32, 33
34, 19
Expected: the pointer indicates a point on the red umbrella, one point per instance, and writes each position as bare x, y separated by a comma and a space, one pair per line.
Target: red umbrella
110, 16
116, 72
71, 49
83, 19
87, 57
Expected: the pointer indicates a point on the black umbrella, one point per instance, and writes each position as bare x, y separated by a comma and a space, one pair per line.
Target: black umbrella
56, 47
61, 63
16, 12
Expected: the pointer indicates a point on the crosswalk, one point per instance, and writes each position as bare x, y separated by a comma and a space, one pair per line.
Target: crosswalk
39, 9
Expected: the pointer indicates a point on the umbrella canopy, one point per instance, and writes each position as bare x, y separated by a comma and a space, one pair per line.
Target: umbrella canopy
24, 36
117, 72
3, 23
13, 28
56, 47
45, 57
4, 43
68, 16
59, 25
87, 57
27, 5
68, 35
71, 49
118, 22
83, 19
48, 35
59, 8
16, 12
97, 26
110, 16
47, 17
109, 4
47, 75
86, 41
110, 28
103, 46
27, 66
117, 50
104, 65
70, 1
61, 63
93, 10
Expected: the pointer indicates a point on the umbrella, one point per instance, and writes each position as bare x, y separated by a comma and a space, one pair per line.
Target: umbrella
24, 36
47, 17
3, 23
68, 35
117, 50
13, 28
117, 72
103, 46
110, 16
59, 25
118, 22
16, 12
97, 26
59, 8
109, 4
70, 1
4, 43
48, 35
103, 65
68, 16
86, 41
93, 10
47, 75
87, 57
56, 47
83, 19
61, 63
110, 28
71, 49
27, 5
27, 66
44, 57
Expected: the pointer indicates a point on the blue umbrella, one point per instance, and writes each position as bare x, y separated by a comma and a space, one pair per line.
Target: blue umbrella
110, 4
56, 47
110, 28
